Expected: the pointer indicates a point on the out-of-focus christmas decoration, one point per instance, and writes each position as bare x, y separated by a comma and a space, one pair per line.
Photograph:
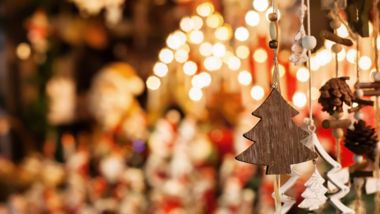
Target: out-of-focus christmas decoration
113, 8
113, 102
112, 167
38, 27
358, 13
61, 93
314, 194
299, 53
362, 139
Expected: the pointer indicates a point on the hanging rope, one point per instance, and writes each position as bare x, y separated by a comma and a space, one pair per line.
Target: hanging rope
311, 126
357, 59
275, 76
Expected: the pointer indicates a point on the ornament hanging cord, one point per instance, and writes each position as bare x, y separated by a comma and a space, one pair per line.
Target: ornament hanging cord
275, 76
311, 126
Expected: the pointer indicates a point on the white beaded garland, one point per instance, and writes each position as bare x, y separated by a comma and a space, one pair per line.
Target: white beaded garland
376, 76
358, 115
359, 92
309, 42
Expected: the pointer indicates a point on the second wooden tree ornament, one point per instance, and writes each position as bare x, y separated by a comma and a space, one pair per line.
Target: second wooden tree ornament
277, 139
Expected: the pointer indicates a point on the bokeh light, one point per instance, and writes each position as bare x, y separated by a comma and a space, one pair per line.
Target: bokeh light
23, 51
160, 69
205, 9
223, 33
190, 68
299, 99
245, 77
302, 74
242, 51
166, 55
195, 94
242, 34
260, 55
212, 63
365, 63
260, 5
252, 18
257, 92
153, 83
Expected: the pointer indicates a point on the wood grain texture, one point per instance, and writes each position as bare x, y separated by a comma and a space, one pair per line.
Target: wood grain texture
277, 139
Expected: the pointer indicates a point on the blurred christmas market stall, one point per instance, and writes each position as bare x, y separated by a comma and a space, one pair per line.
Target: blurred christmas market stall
122, 106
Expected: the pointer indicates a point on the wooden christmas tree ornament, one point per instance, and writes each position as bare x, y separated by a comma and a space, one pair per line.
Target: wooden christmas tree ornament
314, 194
277, 139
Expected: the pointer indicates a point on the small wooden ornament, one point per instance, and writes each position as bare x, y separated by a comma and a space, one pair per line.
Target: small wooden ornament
334, 93
335, 38
361, 140
309, 42
334, 24
277, 139
336, 48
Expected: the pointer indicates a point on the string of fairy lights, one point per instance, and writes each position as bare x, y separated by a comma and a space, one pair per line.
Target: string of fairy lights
202, 46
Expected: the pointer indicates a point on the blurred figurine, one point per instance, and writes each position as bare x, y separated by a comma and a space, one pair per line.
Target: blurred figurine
113, 101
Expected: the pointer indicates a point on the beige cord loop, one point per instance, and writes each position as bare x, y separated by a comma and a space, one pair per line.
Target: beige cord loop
311, 125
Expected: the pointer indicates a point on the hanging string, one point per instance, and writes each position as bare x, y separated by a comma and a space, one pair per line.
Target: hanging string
276, 76
358, 204
311, 126
338, 150
336, 65
357, 59
337, 116
277, 196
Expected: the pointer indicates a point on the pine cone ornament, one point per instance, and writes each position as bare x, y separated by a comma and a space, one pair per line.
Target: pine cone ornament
361, 140
334, 93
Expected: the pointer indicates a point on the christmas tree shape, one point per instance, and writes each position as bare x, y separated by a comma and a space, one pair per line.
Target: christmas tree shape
277, 139
314, 194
